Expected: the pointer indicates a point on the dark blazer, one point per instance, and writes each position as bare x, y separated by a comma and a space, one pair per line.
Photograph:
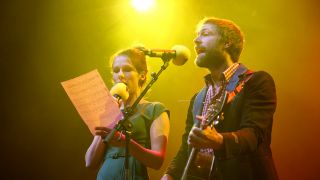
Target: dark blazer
246, 130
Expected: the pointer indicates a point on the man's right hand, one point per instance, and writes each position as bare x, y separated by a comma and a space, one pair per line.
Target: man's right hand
206, 138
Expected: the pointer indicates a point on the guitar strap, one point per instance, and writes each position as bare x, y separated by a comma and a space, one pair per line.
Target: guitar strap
234, 86
244, 78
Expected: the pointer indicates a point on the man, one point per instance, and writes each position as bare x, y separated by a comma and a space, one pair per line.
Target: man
238, 145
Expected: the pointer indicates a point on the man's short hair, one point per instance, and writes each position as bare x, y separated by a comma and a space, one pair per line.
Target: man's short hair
230, 33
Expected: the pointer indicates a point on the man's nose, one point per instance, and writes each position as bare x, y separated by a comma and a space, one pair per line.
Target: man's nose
196, 40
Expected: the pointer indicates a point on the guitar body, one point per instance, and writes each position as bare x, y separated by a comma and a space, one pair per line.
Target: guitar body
201, 166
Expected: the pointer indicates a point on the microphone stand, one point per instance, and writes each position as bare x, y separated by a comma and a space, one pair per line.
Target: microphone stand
124, 125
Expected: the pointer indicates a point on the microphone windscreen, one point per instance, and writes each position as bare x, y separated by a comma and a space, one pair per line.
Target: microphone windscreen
120, 89
182, 55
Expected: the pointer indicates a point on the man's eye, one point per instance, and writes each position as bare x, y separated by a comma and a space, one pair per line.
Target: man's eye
205, 33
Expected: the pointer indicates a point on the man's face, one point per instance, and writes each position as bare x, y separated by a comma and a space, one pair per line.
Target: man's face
209, 46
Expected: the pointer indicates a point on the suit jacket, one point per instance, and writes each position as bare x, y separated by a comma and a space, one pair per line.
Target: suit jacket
246, 130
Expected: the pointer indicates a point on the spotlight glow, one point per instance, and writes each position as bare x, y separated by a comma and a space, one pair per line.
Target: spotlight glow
142, 5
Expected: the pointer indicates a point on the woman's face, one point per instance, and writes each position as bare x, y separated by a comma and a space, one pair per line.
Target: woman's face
124, 71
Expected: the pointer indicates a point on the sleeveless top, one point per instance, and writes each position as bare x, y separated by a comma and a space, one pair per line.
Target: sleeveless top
113, 164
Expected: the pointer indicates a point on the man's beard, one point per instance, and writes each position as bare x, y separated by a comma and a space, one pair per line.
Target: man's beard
211, 59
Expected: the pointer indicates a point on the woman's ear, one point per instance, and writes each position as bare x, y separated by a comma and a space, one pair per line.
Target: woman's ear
142, 76
227, 44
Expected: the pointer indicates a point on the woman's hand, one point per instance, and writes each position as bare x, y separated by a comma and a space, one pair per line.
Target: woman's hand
166, 177
118, 139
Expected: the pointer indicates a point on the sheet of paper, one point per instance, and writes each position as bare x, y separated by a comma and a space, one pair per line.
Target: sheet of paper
92, 100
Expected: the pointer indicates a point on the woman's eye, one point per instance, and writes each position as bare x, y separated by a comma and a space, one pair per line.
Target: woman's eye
123, 69
127, 69
115, 70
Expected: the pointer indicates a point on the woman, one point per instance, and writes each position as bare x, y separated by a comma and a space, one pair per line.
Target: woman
150, 126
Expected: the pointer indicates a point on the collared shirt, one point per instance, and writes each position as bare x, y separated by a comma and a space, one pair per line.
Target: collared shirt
205, 155
213, 90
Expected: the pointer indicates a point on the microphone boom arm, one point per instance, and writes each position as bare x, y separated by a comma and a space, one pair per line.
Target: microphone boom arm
165, 55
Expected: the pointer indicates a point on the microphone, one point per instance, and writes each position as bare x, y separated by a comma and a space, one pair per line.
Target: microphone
180, 54
119, 91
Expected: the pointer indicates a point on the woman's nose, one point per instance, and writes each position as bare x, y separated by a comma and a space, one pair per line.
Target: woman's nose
120, 75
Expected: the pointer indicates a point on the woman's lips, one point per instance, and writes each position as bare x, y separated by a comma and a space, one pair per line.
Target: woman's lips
122, 82
200, 50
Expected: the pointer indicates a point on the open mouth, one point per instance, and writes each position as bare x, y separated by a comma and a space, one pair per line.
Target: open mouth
121, 82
